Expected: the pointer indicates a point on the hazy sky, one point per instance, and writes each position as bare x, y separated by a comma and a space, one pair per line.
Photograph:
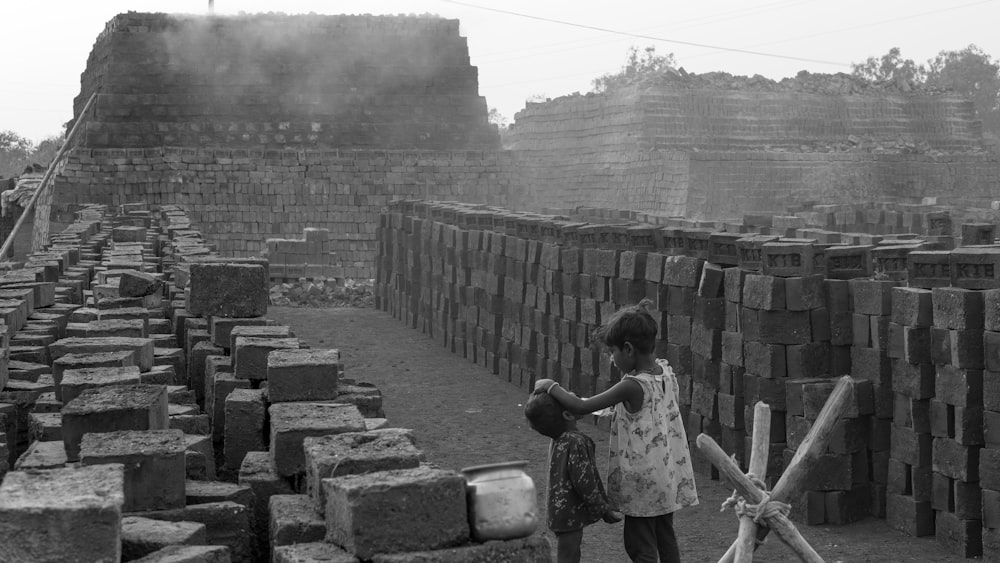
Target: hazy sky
551, 47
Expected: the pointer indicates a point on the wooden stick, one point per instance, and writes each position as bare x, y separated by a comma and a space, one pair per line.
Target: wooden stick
814, 443
741, 551
45, 179
779, 523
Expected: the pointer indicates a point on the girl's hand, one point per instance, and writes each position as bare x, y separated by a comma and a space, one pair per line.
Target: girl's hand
612, 516
543, 385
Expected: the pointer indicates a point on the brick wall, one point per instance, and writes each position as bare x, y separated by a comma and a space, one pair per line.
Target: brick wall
240, 197
279, 81
742, 319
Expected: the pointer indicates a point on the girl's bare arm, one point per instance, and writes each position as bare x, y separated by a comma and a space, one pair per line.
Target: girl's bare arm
625, 391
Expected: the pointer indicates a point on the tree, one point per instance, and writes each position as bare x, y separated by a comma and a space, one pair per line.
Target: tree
15, 153
975, 74
498, 119
890, 68
636, 67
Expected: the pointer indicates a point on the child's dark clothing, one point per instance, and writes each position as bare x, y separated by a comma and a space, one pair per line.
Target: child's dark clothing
576, 495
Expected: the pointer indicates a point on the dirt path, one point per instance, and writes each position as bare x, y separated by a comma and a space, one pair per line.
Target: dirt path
463, 415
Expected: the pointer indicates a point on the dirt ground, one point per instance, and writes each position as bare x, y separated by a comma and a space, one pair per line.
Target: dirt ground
463, 415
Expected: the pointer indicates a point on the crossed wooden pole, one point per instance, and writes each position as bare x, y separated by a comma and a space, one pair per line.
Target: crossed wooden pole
761, 511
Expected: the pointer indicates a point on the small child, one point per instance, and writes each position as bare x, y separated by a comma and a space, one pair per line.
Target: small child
650, 475
576, 497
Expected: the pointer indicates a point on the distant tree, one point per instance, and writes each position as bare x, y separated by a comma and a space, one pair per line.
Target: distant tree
975, 74
15, 153
637, 66
890, 68
497, 118
46, 150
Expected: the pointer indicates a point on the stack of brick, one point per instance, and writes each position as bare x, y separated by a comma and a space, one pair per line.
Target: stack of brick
989, 456
909, 493
872, 307
956, 418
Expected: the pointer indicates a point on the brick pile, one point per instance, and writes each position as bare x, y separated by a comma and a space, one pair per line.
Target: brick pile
743, 317
148, 403
269, 80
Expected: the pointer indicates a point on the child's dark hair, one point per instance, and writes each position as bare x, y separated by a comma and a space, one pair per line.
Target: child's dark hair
630, 324
545, 415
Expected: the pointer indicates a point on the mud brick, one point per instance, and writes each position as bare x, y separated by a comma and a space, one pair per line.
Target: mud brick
958, 309
733, 321
705, 370
750, 324
962, 537
772, 392
991, 428
712, 282
764, 292
989, 460
916, 381
682, 271
785, 327
710, 313
968, 500
227, 525
913, 413
942, 419
975, 268
912, 306
879, 331
731, 379
879, 434
804, 293
107, 409
899, 478
703, 400
47, 514
74, 381
600, 262
907, 515
991, 306
922, 482
765, 360
991, 390
869, 363
808, 360
872, 297
842, 328
679, 330
845, 262
245, 419
142, 348
732, 348
928, 268
796, 429
220, 328
959, 387
143, 536
733, 282
293, 520
749, 251
916, 344
302, 375
227, 290
941, 346
794, 394
991, 350
730, 411
991, 511
396, 511
680, 300
291, 423
258, 474
153, 461
250, 355
788, 259
632, 265
706, 341
911, 448
954, 460
838, 295
844, 507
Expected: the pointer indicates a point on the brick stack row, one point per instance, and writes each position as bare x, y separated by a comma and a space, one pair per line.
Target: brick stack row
989, 456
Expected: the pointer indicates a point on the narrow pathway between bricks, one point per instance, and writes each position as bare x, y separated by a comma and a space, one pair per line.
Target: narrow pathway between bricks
463, 415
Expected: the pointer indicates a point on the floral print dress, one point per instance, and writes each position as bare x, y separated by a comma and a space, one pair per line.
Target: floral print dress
649, 468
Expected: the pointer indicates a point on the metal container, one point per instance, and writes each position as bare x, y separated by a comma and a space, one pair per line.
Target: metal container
502, 501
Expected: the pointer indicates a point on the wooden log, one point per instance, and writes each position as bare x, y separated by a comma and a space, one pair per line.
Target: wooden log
779, 523
741, 551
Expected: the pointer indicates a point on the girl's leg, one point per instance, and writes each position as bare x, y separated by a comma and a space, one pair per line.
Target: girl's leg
666, 540
640, 539
568, 546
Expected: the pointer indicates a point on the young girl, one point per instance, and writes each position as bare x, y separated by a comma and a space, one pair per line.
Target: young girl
649, 475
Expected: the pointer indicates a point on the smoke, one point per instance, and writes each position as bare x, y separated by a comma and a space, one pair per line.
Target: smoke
374, 78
